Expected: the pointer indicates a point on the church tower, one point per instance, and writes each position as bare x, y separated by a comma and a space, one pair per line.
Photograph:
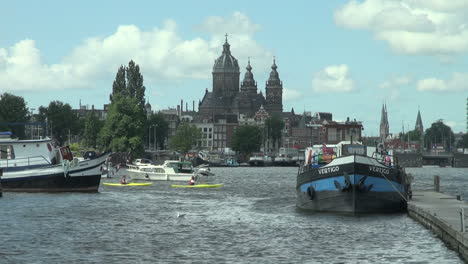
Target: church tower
249, 85
384, 127
419, 124
226, 74
274, 92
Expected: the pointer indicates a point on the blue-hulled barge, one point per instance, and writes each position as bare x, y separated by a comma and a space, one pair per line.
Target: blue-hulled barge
352, 182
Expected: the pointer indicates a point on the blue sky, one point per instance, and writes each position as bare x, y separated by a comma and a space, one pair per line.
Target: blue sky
344, 57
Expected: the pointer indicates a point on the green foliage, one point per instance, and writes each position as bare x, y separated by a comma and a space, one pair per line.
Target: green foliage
124, 127
413, 135
158, 126
129, 83
13, 110
463, 143
247, 139
439, 133
273, 127
92, 126
185, 138
61, 120
75, 147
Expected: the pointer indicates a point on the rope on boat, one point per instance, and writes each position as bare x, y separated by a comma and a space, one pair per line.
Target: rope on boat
396, 189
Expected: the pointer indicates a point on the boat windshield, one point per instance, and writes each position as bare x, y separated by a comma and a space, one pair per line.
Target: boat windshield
184, 167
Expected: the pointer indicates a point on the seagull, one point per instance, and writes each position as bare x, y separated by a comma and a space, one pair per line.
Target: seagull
180, 215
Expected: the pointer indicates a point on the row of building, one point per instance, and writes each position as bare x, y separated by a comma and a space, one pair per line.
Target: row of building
232, 103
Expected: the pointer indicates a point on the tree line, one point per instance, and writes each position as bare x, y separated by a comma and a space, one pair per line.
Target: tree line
128, 126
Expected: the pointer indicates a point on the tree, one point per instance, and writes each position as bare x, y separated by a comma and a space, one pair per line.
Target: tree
463, 143
273, 127
61, 119
247, 139
13, 110
439, 133
92, 126
159, 127
185, 138
124, 129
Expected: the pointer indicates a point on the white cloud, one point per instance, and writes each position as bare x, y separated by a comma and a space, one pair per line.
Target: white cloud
290, 94
434, 27
162, 53
333, 78
451, 124
458, 82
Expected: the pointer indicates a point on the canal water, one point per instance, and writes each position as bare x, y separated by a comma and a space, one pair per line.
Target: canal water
252, 219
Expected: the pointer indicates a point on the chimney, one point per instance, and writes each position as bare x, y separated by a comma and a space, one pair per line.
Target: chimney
178, 110
193, 106
186, 106
181, 106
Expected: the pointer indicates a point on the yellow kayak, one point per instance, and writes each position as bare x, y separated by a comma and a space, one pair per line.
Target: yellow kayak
128, 184
198, 186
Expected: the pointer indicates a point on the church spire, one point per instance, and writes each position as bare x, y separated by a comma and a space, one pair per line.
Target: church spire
274, 91
226, 46
384, 126
419, 125
249, 84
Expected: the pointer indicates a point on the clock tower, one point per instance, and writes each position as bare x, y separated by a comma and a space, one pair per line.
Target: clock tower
274, 92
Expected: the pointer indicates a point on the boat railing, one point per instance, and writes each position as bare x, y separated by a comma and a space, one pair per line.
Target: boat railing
24, 162
380, 157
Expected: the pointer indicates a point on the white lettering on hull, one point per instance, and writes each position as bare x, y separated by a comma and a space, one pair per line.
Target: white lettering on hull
379, 169
328, 170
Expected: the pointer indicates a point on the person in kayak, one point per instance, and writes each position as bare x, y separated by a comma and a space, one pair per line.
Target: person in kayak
123, 180
192, 181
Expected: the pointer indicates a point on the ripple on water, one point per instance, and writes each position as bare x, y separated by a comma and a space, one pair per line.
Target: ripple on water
252, 219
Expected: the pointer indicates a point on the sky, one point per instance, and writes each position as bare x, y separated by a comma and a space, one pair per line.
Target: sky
344, 57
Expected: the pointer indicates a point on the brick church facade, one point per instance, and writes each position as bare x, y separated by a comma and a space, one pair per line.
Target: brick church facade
231, 97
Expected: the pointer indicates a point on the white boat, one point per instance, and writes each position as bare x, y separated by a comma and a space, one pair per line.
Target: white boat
282, 160
39, 166
171, 170
204, 170
142, 162
260, 159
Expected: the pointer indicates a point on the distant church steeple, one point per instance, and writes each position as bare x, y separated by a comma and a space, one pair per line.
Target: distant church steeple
249, 84
419, 125
274, 91
384, 127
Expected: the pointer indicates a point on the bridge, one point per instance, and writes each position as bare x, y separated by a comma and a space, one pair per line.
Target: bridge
441, 159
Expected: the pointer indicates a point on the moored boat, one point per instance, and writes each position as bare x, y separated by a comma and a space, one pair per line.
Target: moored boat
171, 170
343, 178
260, 159
39, 166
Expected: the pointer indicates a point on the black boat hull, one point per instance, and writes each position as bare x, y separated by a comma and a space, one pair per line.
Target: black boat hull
84, 176
354, 185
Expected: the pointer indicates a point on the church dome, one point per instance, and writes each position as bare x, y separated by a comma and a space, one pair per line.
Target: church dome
226, 62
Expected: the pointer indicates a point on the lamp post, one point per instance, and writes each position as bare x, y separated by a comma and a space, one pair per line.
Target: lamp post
155, 142
154, 137
149, 136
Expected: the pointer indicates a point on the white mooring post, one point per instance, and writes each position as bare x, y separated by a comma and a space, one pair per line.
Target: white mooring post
462, 219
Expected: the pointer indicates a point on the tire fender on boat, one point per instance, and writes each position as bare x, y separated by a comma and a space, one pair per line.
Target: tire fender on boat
311, 192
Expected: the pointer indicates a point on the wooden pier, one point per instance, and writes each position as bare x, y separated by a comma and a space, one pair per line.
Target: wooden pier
444, 215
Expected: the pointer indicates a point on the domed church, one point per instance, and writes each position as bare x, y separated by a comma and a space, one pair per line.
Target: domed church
229, 96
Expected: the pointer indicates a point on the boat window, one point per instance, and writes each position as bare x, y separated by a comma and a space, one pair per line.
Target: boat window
7, 152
